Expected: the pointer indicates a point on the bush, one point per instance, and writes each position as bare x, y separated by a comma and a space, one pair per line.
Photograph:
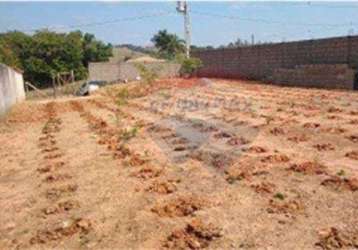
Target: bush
122, 97
147, 76
190, 65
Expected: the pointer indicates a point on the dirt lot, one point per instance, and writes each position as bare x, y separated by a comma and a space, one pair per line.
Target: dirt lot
182, 164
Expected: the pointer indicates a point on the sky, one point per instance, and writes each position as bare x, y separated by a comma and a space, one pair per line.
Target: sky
213, 23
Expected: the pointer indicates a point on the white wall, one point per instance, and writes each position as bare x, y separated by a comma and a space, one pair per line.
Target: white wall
11, 88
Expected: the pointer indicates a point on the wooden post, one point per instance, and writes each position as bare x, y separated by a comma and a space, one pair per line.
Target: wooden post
26, 88
72, 76
58, 78
54, 86
27, 84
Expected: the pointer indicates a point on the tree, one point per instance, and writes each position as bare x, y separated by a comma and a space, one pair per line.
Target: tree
168, 44
94, 50
47, 53
238, 44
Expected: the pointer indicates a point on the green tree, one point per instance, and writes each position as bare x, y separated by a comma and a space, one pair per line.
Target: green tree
188, 65
47, 53
168, 44
94, 50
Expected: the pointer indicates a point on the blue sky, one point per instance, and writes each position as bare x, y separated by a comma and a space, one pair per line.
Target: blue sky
268, 21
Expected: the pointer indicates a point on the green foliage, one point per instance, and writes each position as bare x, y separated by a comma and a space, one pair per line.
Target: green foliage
168, 44
279, 196
341, 172
148, 76
189, 65
47, 53
122, 97
127, 134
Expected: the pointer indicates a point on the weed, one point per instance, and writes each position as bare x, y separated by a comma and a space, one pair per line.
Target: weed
148, 76
279, 196
341, 172
127, 134
122, 97
165, 95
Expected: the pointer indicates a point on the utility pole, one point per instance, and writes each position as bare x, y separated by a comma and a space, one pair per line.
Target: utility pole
183, 7
252, 39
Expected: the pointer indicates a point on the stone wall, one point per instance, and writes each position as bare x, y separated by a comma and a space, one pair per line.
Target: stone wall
259, 62
11, 88
111, 72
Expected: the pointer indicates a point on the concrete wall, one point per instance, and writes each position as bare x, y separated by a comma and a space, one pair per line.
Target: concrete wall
111, 72
259, 62
104, 71
11, 88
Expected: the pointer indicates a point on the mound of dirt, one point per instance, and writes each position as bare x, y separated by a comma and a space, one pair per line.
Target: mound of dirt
147, 172
353, 138
234, 174
277, 158
61, 207
255, 149
55, 193
137, 160
341, 183
311, 125
324, 147
334, 130
308, 167
66, 229
222, 134
334, 110
218, 160
279, 206
237, 141
332, 238
196, 235
277, 131
298, 138
162, 187
352, 155
51, 167
179, 207
57, 177
264, 188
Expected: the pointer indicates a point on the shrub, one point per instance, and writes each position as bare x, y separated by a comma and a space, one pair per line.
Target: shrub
122, 97
147, 76
190, 65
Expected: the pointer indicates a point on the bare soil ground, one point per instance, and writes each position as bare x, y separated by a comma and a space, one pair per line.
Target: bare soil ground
200, 163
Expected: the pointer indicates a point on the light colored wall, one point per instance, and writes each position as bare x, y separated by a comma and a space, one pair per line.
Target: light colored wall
111, 72
11, 88
104, 71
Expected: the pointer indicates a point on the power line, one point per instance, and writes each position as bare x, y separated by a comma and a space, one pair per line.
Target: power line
126, 19
266, 21
336, 5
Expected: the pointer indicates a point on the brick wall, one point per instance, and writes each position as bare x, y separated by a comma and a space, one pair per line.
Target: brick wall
259, 62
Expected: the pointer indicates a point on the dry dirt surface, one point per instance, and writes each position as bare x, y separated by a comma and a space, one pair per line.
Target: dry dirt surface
182, 164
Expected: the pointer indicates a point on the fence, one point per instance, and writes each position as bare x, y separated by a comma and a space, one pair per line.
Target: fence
259, 62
